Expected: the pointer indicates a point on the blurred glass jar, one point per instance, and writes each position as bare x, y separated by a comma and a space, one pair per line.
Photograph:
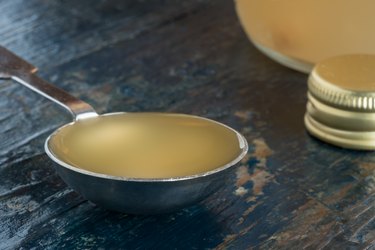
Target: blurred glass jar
299, 33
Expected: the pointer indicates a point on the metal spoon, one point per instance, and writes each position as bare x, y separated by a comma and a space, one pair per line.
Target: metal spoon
130, 195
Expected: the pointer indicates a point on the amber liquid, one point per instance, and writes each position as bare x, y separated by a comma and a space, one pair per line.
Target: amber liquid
310, 30
146, 145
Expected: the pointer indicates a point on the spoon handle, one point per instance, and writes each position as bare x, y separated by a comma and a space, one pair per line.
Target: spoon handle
14, 67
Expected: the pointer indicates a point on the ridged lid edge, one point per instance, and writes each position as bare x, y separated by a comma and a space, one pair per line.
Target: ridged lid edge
339, 97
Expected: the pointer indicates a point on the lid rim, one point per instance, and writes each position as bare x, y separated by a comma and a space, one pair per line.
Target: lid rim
343, 98
337, 137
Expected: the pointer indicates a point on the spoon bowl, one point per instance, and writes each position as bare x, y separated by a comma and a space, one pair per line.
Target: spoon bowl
143, 195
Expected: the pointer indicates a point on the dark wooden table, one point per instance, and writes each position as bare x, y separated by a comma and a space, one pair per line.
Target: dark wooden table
291, 192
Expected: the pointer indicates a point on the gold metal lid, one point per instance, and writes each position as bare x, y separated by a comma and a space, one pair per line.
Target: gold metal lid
341, 101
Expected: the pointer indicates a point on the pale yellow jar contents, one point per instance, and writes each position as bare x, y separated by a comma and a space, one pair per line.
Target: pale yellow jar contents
308, 31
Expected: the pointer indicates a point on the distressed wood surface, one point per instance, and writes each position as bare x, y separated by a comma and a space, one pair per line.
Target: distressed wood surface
291, 191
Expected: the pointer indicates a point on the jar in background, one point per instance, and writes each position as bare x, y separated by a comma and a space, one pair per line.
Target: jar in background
299, 33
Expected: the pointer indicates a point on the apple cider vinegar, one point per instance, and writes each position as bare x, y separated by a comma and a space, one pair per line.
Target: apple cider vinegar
147, 145
299, 33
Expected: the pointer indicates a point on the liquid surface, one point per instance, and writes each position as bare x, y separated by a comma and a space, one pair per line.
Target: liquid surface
310, 30
146, 145
351, 72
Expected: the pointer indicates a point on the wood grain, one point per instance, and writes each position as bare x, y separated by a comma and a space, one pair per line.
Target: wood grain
290, 192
